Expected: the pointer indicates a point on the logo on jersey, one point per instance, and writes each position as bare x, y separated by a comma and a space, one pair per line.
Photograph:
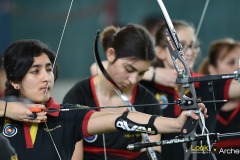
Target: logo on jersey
162, 99
131, 127
9, 130
91, 139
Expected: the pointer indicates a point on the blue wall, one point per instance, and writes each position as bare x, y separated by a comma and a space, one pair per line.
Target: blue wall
45, 19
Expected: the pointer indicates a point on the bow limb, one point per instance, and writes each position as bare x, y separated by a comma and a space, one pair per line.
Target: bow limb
151, 152
186, 102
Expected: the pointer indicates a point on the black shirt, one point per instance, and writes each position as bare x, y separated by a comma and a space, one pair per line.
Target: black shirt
84, 93
66, 129
204, 91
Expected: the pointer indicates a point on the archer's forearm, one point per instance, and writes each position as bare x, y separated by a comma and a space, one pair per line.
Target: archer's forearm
162, 124
167, 125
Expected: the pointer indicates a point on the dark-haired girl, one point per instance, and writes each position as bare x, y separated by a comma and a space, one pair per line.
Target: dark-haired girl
129, 52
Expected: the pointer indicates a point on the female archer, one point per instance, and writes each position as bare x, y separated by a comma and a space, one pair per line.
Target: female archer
169, 92
223, 58
129, 51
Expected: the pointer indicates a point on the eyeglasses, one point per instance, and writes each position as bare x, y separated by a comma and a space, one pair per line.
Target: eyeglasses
194, 47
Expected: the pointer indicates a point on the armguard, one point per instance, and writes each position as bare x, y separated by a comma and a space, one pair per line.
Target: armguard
125, 124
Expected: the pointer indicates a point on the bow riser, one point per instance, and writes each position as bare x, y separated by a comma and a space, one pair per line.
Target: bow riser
186, 102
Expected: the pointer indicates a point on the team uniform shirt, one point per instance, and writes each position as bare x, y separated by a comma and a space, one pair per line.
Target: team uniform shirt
66, 129
116, 143
228, 122
166, 95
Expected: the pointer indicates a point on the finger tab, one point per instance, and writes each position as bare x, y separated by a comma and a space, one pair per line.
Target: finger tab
35, 109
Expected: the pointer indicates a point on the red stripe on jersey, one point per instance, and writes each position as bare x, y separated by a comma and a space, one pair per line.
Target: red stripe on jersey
228, 143
134, 92
28, 138
227, 121
123, 153
194, 74
94, 92
85, 123
52, 104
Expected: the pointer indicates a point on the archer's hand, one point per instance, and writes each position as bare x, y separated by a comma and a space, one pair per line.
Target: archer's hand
20, 111
190, 113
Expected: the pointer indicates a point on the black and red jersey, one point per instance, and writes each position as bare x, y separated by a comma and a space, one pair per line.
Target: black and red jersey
116, 143
66, 129
204, 91
228, 122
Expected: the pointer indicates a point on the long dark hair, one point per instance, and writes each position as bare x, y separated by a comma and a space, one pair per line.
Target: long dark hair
18, 59
132, 41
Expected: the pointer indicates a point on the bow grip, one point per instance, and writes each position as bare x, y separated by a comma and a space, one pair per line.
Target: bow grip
189, 126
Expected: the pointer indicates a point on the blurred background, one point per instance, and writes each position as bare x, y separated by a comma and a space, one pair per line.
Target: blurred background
44, 20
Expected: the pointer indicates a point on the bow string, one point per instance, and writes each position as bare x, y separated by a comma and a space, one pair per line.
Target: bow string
53, 66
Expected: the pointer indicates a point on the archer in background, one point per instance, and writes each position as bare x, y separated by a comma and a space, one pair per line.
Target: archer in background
129, 51
161, 80
163, 66
223, 58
